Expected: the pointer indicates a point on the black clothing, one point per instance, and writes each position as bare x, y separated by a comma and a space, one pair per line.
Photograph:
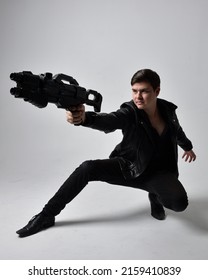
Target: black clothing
164, 184
163, 155
142, 160
137, 146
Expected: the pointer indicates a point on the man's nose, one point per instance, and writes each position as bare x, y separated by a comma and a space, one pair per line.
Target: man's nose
139, 95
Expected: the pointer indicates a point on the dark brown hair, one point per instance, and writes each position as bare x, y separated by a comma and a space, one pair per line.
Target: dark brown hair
146, 75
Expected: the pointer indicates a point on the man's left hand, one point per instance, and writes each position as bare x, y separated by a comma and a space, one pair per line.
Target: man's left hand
189, 156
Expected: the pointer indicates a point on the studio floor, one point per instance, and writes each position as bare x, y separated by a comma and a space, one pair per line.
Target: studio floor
104, 222
101, 44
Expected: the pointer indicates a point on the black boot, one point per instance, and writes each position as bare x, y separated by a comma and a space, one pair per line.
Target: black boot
157, 210
36, 224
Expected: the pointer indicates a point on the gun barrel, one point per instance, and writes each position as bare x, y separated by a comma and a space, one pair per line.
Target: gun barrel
15, 91
62, 90
15, 76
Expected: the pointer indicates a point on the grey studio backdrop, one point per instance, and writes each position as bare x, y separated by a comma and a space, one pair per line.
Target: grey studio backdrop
101, 44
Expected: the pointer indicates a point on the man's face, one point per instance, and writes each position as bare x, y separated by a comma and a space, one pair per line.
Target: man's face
144, 96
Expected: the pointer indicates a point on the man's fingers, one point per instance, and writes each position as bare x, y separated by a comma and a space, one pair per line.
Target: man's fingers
189, 156
74, 117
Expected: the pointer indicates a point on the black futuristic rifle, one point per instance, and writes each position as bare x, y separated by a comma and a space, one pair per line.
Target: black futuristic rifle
62, 90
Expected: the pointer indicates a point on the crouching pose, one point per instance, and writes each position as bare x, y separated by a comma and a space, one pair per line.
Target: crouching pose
145, 159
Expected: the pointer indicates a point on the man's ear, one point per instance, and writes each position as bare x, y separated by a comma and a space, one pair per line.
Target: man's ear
157, 91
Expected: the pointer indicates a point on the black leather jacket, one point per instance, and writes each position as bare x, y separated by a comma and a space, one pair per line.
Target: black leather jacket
136, 148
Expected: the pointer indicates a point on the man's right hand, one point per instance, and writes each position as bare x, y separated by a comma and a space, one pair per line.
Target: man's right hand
76, 114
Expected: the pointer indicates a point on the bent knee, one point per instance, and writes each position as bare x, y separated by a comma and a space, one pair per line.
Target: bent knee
180, 205
177, 205
87, 165
88, 168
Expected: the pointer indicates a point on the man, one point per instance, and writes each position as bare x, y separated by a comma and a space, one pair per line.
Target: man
145, 159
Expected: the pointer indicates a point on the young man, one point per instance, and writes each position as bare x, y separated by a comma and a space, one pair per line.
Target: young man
145, 159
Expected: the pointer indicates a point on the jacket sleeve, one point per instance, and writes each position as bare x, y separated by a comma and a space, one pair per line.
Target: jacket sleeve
108, 122
182, 139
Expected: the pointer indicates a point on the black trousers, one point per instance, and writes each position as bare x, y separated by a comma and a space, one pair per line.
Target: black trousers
164, 184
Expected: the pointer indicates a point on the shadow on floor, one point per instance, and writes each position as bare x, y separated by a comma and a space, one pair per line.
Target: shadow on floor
133, 215
195, 216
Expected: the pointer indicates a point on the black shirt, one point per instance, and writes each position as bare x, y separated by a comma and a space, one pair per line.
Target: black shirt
163, 155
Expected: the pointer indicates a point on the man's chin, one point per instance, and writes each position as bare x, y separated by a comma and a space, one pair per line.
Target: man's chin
140, 105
